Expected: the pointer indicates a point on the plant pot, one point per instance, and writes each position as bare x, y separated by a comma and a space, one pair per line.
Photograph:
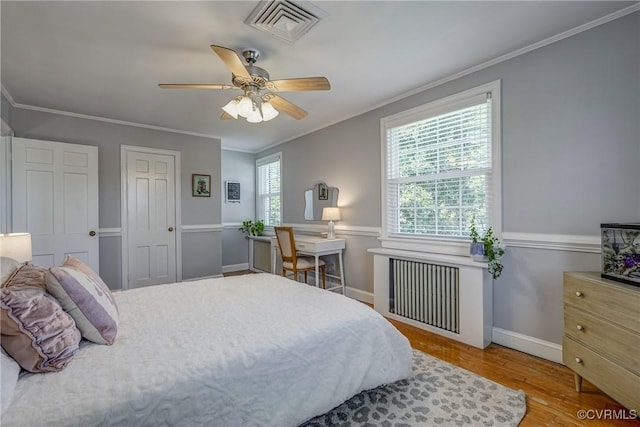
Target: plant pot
478, 253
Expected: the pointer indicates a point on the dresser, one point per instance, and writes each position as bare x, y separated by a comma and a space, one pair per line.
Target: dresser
602, 335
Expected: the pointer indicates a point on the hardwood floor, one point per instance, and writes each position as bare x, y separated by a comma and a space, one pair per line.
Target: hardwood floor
551, 396
549, 387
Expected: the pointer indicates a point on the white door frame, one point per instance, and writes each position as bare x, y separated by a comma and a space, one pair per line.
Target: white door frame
124, 221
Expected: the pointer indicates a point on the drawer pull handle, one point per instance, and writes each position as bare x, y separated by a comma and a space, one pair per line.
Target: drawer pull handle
578, 361
579, 294
580, 327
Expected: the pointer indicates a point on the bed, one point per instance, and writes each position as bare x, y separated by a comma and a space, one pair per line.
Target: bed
251, 350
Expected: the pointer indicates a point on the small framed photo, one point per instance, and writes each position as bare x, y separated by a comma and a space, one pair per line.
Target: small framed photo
232, 191
323, 192
200, 185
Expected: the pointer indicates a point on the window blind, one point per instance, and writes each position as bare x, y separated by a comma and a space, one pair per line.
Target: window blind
439, 169
268, 194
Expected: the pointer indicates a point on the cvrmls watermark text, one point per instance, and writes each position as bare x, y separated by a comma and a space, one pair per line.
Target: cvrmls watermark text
607, 414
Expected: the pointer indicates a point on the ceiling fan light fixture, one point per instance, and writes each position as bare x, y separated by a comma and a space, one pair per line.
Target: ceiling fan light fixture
255, 116
268, 111
254, 82
245, 106
232, 108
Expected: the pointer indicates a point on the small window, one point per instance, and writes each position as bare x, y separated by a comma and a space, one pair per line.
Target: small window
440, 166
268, 194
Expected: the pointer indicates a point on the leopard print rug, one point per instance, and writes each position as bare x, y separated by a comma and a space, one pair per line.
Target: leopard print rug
438, 394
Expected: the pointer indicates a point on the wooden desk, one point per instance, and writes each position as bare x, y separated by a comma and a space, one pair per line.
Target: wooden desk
316, 247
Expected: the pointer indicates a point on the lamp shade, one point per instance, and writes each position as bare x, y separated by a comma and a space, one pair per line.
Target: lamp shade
254, 117
331, 214
245, 106
268, 111
231, 108
16, 246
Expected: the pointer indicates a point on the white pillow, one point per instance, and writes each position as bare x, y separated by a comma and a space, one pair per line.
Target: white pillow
7, 267
9, 372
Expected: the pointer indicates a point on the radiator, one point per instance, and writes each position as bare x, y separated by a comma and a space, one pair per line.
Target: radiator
426, 293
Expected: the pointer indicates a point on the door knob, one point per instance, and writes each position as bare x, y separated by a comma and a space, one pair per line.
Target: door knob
92, 233
170, 229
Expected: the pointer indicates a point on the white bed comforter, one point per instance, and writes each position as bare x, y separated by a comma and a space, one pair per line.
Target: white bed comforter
254, 350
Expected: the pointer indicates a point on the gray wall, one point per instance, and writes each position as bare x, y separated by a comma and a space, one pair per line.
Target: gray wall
570, 156
237, 166
201, 250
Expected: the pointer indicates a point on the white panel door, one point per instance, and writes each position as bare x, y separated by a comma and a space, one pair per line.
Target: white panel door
55, 198
151, 215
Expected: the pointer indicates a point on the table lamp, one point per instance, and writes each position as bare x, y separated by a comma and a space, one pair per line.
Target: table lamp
331, 214
16, 246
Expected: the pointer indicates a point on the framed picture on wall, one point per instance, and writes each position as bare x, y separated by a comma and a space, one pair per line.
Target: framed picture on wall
323, 191
200, 185
232, 191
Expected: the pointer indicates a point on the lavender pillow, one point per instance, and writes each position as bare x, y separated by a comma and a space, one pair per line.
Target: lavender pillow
83, 294
36, 331
27, 275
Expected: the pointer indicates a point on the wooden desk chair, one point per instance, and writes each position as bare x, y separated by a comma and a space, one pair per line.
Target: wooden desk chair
291, 261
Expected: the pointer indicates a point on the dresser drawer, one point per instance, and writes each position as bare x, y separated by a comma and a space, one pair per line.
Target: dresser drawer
616, 302
617, 382
612, 341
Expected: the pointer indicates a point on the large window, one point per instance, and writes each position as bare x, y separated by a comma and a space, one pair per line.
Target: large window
268, 185
440, 170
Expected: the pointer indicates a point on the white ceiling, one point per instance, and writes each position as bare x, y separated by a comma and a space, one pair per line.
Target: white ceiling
105, 58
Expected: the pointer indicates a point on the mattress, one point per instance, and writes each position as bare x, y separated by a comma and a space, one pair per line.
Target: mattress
252, 350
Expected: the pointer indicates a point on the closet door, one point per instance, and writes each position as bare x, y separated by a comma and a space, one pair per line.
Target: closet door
55, 198
150, 217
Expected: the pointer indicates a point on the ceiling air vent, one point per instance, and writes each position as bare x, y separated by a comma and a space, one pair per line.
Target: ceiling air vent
286, 20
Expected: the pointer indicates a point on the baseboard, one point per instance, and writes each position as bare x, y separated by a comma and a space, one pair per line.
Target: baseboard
194, 279
360, 295
235, 267
530, 345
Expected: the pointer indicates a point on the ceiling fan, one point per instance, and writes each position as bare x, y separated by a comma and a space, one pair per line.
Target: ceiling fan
259, 102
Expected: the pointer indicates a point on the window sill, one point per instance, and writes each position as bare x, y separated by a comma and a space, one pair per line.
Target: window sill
442, 246
453, 260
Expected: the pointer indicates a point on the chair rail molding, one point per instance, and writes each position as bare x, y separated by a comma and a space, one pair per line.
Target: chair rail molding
232, 225
341, 229
110, 232
557, 242
201, 228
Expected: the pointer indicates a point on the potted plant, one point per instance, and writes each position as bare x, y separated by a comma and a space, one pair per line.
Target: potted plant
486, 247
252, 228
257, 227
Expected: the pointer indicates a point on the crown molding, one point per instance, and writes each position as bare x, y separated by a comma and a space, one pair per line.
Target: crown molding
112, 121
7, 95
553, 39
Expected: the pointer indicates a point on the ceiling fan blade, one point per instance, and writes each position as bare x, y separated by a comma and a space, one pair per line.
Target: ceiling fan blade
232, 60
194, 86
287, 107
292, 85
226, 116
